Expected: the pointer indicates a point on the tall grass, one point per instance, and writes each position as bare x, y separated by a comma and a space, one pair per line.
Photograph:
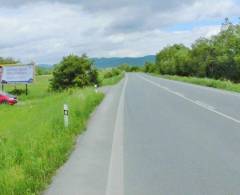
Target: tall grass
112, 80
33, 140
220, 84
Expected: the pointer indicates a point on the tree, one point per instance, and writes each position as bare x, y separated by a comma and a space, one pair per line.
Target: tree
149, 67
8, 61
124, 67
217, 57
200, 54
74, 71
174, 60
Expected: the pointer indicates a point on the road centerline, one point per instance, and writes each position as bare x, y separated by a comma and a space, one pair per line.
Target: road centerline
208, 107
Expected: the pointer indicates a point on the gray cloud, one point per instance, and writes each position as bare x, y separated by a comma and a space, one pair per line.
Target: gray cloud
129, 15
46, 30
106, 5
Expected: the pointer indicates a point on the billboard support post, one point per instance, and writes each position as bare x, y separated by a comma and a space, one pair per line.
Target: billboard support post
26, 89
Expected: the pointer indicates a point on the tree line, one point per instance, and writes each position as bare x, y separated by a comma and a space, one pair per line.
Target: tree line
7, 61
217, 57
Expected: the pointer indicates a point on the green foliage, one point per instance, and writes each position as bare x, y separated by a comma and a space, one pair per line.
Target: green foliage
112, 80
33, 140
124, 67
7, 61
112, 72
135, 69
110, 76
43, 71
129, 68
39, 89
174, 60
149, 67
74, 71
217, 57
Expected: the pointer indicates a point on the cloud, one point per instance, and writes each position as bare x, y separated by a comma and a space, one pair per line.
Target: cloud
46, 30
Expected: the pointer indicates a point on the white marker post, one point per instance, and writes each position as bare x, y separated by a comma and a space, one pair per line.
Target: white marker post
96, 88
66, 112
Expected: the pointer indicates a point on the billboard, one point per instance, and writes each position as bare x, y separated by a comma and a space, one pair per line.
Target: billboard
17, 74
1, 72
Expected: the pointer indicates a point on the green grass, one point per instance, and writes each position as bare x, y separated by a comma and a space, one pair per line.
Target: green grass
33, 140
226, 85
113, 80
37, 90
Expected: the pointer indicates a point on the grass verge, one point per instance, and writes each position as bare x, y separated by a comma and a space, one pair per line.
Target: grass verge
33, 140
219, 84
112, 81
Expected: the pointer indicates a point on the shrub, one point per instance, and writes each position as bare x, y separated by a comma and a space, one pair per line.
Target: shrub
74, 71
111, 73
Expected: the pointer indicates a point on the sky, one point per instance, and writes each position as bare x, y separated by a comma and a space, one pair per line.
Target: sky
46, 30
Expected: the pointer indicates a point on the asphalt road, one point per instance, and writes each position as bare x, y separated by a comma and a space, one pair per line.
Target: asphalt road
152, 136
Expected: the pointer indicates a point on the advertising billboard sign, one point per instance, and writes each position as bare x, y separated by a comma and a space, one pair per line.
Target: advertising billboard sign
1, 71
17, 74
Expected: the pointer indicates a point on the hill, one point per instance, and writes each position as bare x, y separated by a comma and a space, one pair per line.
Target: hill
112, 62
115, 61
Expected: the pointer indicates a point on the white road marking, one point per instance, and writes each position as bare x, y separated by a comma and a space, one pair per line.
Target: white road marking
179, 94
222, 91
207, 107
115, 185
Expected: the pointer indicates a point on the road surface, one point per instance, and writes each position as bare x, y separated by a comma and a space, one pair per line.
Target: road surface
152, 136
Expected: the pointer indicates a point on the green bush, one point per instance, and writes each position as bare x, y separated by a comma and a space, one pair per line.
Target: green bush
43, 70
149, 67
74, 71
111, 73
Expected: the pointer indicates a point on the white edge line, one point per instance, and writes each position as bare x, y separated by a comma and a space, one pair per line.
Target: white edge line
192, 101
115, 184
218, 90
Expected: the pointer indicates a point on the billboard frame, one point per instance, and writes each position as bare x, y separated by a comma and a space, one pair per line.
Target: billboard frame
14, 83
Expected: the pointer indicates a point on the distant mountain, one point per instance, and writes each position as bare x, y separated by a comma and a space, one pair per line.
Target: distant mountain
45, 65
133, 61
113, 62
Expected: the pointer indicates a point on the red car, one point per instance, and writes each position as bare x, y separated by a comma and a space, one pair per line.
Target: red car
7, 99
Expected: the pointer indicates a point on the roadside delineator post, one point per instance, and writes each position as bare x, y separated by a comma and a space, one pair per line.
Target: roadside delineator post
96, 88
66, 113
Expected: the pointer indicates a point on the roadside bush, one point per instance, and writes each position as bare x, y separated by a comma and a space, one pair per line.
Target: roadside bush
130, 68
124, 67
111, 73
74, 71
149, 67
43, 71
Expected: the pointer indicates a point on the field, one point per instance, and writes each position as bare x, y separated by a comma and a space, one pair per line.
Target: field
226, 85
33, 140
